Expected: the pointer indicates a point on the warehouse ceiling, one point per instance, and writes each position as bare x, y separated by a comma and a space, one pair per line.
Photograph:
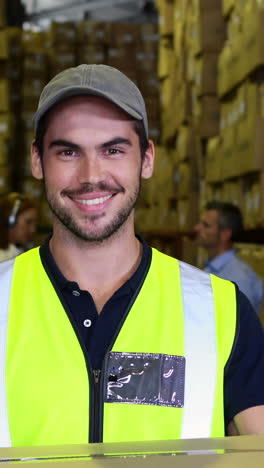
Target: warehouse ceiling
42, 12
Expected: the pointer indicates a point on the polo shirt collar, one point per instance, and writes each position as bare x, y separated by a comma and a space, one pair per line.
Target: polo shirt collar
54, 272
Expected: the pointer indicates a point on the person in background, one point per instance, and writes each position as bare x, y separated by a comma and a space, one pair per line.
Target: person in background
18, 217
220, 226
106, 339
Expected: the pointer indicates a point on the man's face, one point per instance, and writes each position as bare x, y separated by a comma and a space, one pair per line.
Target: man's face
91, 167
208, 232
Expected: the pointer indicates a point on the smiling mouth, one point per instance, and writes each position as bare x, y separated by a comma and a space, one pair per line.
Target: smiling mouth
94, 201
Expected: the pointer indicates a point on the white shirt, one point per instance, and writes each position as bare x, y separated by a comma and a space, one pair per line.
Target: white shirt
11, 252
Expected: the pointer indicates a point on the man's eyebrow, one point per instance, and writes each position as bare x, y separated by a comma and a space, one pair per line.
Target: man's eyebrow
116, 141
66, 143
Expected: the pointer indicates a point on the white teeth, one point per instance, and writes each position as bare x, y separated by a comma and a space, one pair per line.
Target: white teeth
94, 201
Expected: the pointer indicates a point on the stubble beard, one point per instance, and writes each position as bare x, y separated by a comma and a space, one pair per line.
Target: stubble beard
95, 234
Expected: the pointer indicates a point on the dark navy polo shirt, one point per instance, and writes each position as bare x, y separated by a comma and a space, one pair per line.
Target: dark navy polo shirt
244, 372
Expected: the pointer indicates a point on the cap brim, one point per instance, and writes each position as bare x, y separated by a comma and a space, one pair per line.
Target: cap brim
81, 91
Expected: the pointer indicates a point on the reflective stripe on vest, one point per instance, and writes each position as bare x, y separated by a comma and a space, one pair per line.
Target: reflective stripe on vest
195, 419
6, 270
203, 409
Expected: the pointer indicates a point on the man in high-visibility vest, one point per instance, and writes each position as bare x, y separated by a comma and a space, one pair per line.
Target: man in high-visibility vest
103, 338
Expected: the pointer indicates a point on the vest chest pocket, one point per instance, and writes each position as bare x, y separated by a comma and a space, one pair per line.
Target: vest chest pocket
144, 379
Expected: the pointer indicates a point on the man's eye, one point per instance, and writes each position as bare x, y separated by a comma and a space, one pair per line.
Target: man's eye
113, 151
68, 152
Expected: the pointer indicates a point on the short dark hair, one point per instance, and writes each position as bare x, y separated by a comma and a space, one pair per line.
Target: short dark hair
42, 128
229, 217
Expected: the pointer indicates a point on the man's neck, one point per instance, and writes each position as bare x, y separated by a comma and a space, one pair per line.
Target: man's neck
215, 252
101, 268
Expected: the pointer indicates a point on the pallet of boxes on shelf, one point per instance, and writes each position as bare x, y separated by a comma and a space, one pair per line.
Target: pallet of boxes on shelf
34, 77
92, 42
62, 43
170, 69
8, 112
133, 49
155, 210
147, 75
121, 52
243, 52
205, 40
187, 176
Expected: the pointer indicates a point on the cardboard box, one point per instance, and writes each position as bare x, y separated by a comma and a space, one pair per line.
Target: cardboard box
4, 95
199, 5
124, 34
91, 53
3, 19
207, 115
7, 125
166, 56
228, 154
166, 17
253, 44
149, 38
35, 66
64, 33
14, 38
188, 180
232, 192
186, 143
60, 60
208, 32
176, 108
147, 62
34, 42
93, 32
228, 6
249, 147
4, 52
181, 14
4, 159
213, 160
205, 74
121, 58
188, 212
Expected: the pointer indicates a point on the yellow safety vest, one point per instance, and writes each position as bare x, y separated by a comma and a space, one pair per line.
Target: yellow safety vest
177, 323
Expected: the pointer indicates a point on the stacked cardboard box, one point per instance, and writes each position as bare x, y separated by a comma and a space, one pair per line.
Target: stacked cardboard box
62, 41
34, 76
154, 211
235, 157
5, 116
92, 42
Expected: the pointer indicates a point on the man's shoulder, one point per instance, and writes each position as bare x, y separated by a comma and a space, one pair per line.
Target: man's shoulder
26, 257
190, 272
244, 267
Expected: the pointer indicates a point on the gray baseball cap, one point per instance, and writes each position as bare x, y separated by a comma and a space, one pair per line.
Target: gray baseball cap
96, 80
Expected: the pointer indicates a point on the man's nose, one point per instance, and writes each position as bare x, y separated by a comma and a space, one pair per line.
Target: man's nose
91, 170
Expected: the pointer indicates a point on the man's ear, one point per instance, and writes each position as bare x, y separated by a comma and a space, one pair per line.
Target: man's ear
148, 161
36, 163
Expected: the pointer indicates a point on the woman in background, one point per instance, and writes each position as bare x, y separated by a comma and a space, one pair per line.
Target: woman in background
18, 217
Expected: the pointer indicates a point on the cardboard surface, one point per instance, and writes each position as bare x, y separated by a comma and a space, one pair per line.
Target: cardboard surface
227, 452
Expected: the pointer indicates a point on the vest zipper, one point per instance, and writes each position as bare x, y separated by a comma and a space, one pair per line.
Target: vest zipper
96, 402
96, 390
